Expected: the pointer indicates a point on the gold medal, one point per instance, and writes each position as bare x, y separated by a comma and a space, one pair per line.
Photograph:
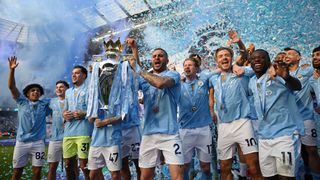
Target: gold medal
194, 109
223, 77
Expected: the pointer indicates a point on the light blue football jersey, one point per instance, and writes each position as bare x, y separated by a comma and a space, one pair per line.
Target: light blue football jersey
32, 119
276, 108
194, 103
160, 105
304, 98
57, 128
232, 96
76, 99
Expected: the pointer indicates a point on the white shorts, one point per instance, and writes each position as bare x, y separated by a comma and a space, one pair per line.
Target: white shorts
152, 145
55, 151
100, 157
237, 132
279, 156
131, 139
310, 136
199, 139
23, 150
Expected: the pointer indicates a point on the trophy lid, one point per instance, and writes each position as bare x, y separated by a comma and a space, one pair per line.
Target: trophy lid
112, 47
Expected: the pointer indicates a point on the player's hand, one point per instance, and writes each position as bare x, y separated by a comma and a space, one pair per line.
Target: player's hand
214, 118
132, 62
272, 72
13, 62
234, 38
282, 69
99, 123
316, 74
77, 114
67, 115
131, 42
237, 70
251, 48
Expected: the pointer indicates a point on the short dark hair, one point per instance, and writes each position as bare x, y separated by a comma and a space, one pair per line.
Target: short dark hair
316, 49
64, 83
30, 86
164, 51
83, 69
195, 55
196, 63
223, 48
289, 48
265, 52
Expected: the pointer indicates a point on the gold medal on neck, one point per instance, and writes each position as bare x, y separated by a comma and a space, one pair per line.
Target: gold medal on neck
223, 77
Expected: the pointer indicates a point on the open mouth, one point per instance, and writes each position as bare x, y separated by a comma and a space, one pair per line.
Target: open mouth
257, 65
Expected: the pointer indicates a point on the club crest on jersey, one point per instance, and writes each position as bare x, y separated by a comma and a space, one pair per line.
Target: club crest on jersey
200, 83
268, 92
82, 93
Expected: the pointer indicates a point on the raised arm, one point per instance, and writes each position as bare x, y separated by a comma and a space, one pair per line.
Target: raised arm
282, 70
157, 81
234, 38
132, 43
11, 81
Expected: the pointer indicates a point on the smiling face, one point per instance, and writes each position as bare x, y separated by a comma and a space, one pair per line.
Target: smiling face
224, 59
316, 59
78, 76
259, 62
159, 60
34, 94
61, 90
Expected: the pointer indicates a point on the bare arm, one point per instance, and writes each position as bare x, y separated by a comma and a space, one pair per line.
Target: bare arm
211, 105
105, 122
233, 35
133, 44
157, 81
11, 81
292, 83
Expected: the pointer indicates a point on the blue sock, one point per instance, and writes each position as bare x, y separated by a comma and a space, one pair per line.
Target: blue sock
185, 175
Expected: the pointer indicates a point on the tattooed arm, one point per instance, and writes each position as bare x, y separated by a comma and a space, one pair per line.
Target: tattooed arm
157, 81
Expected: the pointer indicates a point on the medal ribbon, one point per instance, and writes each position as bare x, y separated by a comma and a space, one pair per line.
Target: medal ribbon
187, 87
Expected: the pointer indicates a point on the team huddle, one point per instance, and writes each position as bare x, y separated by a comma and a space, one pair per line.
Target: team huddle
263, 111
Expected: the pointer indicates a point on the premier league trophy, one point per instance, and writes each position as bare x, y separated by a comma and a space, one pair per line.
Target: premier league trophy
109, 85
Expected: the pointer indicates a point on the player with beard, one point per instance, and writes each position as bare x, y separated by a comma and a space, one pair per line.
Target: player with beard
304, 99
161, 90
195, 118
234, 125
31, 132
316, 75
78, 130
55, 143
280, 123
